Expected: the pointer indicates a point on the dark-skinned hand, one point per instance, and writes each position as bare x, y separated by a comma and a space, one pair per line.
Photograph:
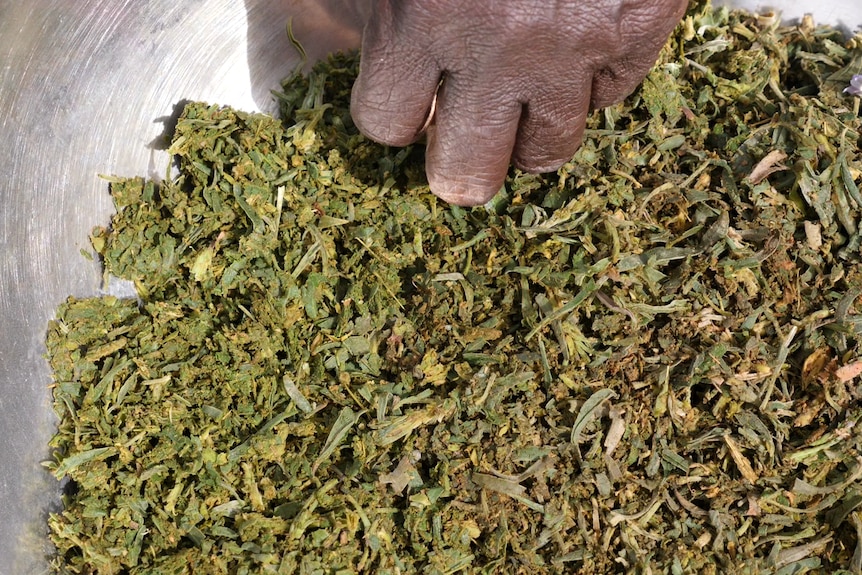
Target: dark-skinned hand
501, 81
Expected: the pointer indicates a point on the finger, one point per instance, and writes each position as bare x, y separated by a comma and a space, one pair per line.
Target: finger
470, 143
551, 128
645, 28
396, 83
614, 83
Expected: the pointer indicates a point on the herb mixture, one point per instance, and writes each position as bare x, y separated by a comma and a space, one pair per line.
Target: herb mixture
647, 362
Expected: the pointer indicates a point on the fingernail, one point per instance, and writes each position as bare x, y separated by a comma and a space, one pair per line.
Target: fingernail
433, 110
460, 193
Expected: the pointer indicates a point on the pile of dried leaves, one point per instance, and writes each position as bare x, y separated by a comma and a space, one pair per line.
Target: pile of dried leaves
647, 362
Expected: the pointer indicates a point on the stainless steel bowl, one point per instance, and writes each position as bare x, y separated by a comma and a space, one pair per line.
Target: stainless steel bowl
86, 88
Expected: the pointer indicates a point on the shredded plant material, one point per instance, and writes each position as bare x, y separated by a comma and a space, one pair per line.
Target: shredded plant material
648, 362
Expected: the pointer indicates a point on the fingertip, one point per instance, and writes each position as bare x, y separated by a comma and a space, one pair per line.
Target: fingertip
375, 119
464, 192
390, 107
550, 132
533, 166
469, 148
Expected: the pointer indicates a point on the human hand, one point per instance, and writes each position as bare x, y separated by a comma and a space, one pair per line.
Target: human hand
505, 81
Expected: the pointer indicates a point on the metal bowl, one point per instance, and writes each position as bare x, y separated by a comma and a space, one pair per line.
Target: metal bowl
88, 88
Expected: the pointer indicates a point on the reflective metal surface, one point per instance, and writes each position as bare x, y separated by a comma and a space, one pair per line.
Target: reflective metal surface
846, 14
86, 87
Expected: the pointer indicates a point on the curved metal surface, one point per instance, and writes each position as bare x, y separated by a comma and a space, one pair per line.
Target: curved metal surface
87, 87
845, 14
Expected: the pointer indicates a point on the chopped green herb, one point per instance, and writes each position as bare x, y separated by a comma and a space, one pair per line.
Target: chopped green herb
648, 361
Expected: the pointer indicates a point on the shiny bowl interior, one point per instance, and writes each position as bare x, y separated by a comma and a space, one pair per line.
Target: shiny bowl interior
88, 88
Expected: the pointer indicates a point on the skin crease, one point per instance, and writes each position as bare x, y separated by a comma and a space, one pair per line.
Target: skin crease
519, 78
